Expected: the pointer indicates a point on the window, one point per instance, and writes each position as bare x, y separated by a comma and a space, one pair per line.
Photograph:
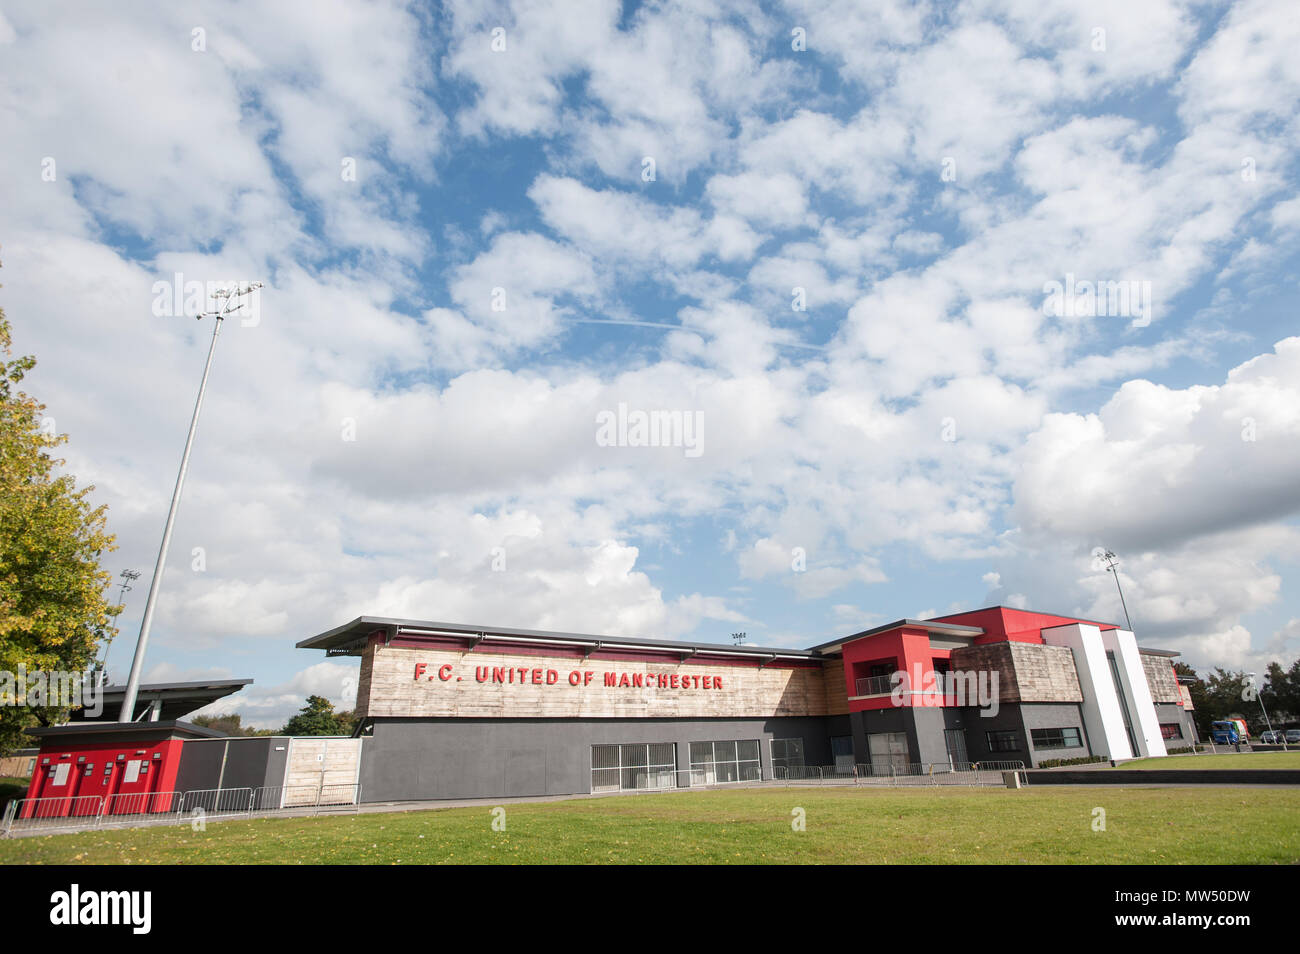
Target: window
1056, 738
716, 762
1171, 730
1002, 741
633, 767
787, 756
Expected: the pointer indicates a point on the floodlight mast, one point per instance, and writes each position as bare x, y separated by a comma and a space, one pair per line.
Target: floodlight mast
1112, 561
227, 297
124, 587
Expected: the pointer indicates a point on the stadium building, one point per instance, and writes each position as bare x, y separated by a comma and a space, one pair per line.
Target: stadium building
458, 711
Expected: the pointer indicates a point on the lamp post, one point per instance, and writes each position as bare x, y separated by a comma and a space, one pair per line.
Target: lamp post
1267, 724
229, 303
1112, 562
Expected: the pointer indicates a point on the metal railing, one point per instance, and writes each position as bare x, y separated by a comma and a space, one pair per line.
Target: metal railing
901, 774
874, 685
215, 802
272, 798
141, 809
62, 811
946, 685
707, 774
143, 803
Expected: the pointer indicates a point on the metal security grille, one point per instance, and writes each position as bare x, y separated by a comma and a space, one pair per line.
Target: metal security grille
635, 767
714, 763
888, 749
787, 754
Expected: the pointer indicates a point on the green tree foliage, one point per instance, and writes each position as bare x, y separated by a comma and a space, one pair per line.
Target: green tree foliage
319, 718
1282, 693
53, 609
1222, 695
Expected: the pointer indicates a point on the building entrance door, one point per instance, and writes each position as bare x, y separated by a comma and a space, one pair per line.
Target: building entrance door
888, 749
955, 740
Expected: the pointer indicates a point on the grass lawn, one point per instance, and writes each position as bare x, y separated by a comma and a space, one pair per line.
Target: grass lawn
1143, 826
1228, 760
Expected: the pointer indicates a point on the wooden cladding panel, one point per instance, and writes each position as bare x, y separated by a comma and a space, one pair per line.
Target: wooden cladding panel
1161, 679
388, 673
837, 694
317, 764
1027, 672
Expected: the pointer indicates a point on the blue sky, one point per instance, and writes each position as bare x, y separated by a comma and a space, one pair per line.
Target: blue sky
923, 436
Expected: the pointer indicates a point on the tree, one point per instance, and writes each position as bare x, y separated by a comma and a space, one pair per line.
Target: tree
319, 718
1281, 693
53, 609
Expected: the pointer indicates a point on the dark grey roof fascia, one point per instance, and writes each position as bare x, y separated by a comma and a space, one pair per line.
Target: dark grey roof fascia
363, 625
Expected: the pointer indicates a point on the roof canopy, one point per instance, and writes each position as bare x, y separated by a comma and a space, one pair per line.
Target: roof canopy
176, 699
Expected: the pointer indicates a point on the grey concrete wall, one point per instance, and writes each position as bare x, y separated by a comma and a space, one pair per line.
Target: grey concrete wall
1053, 716
872, 721
250, 762
1176, 713
200, 764
409, 759
1022, 719
923, 725
929, 725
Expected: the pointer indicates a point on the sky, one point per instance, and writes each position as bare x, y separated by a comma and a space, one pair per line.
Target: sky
844, 253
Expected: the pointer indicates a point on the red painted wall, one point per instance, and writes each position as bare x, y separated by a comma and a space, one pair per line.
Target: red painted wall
90, 778
1004, 624
910, 647
907, 646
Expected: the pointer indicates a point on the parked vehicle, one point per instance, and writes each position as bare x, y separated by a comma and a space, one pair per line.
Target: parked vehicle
1293, 736
1271, 737
1229, 731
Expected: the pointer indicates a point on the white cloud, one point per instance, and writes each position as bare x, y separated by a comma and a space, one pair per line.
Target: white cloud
1159, 465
